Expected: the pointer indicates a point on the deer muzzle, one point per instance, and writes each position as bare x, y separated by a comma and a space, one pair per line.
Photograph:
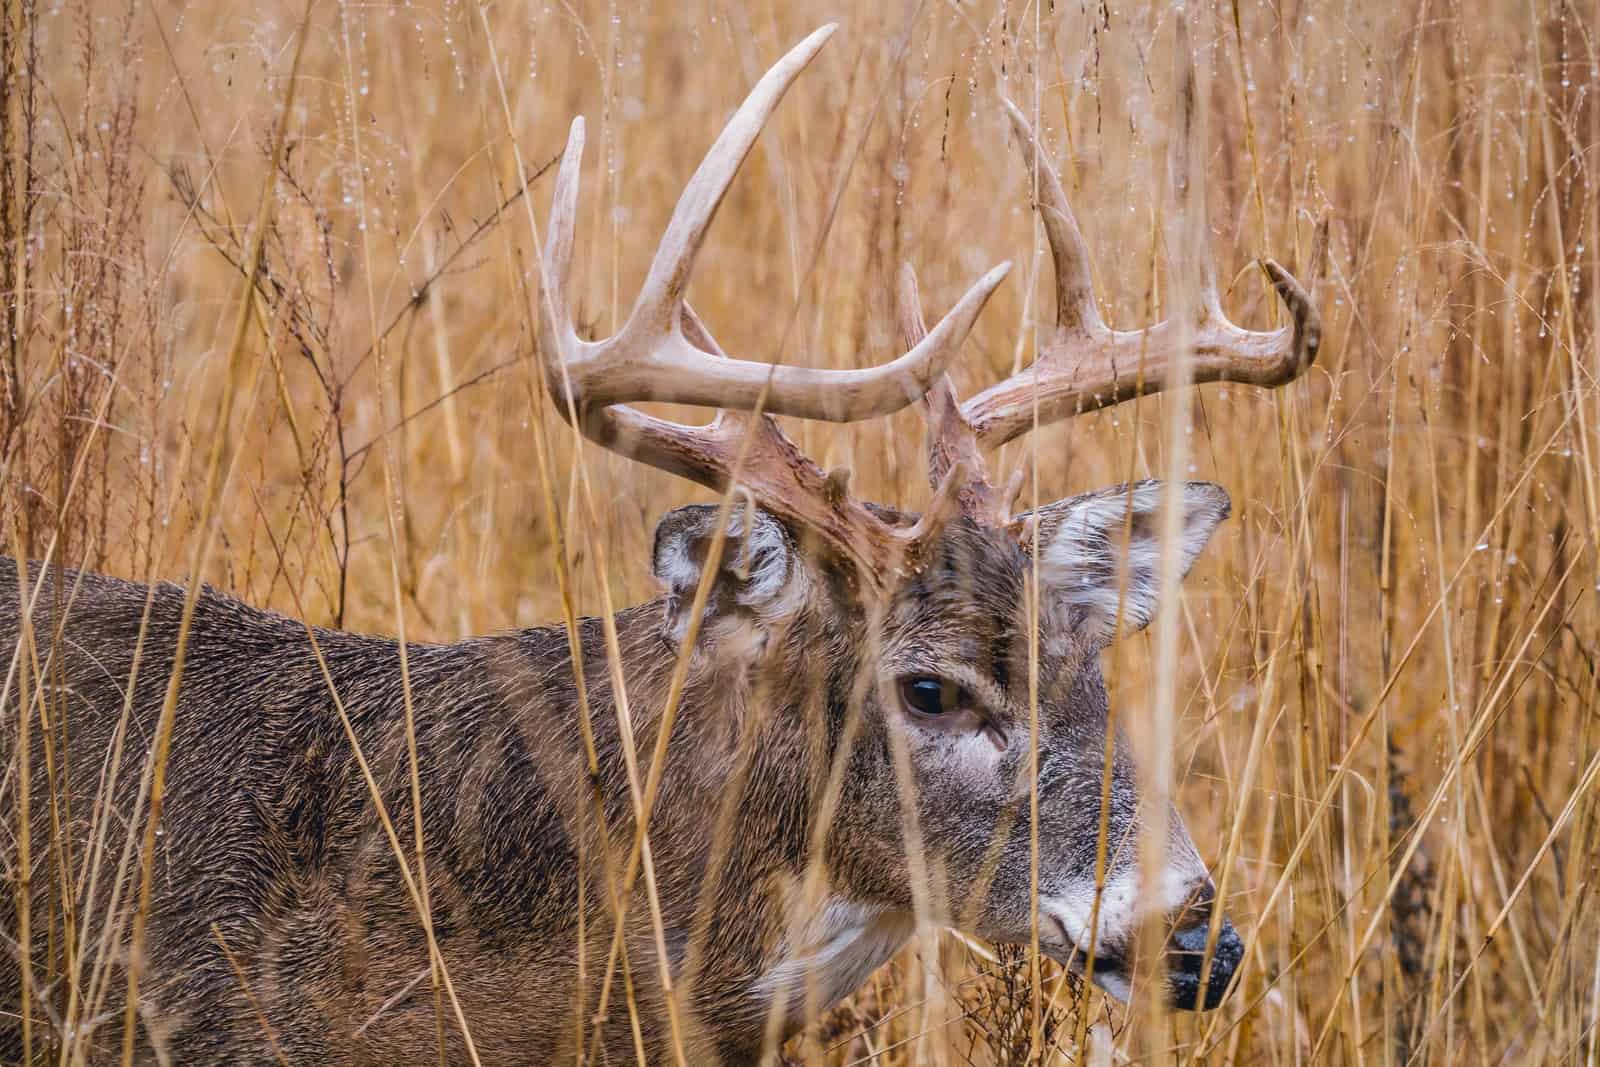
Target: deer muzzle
1200, 963
1191, 986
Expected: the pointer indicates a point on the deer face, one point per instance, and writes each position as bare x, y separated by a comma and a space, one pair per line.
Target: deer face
954, 688
942, 672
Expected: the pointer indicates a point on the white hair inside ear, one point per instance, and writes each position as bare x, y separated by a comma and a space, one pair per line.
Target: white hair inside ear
759, 578
1101, 559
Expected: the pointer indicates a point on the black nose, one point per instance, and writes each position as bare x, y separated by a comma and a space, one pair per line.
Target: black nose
1186, 950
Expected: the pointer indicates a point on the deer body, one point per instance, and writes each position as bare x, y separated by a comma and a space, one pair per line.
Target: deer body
271, 845
874, 704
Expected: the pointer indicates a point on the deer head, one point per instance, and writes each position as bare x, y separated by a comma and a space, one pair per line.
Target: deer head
919, 632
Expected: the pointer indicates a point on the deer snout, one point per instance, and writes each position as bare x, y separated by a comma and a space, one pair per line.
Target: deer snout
1187, 957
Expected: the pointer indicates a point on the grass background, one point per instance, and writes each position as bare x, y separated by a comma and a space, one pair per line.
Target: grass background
1400, 619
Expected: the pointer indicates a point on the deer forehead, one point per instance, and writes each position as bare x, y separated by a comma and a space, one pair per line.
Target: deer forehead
970, 592
972, 626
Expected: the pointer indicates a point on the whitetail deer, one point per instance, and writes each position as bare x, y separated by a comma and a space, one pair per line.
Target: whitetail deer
837, 640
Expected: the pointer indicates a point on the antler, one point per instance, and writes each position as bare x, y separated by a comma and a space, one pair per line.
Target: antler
664, 353
1085, 364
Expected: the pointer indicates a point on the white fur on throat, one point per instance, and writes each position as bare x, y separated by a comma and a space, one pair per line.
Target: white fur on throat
843, 944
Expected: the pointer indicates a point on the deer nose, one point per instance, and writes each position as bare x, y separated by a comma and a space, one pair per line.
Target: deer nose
1186, 951
1186, 957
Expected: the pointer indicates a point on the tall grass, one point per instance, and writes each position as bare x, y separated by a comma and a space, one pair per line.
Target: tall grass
1388, 728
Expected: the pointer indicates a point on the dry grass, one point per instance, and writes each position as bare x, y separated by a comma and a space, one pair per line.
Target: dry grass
1389, 738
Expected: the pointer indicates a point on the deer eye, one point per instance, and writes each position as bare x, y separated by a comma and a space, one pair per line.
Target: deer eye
928, 695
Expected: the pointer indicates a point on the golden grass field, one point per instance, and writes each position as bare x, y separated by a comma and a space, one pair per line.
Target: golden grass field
1388, 734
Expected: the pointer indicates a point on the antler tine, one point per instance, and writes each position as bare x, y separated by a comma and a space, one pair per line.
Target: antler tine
1093, 366
555, 316
1305, 322
1076, 309
648, 359
951, 442
655, 310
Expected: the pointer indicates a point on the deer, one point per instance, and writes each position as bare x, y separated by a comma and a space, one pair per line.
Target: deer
680, 832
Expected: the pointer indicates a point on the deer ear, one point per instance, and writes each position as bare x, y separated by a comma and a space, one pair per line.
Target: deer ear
1102, 551
759, 577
